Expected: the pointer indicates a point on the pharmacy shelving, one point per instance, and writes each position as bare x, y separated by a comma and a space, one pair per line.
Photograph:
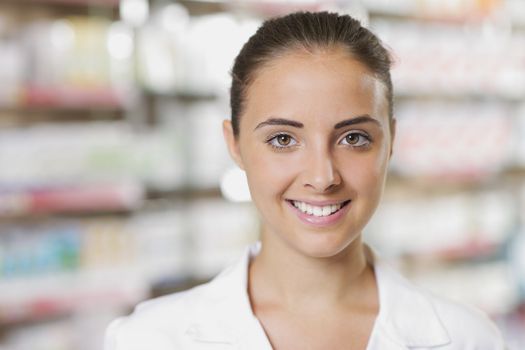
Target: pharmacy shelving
454, 209
127, 200
48, 269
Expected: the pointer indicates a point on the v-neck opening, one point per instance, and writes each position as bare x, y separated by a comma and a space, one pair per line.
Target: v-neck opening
371, 256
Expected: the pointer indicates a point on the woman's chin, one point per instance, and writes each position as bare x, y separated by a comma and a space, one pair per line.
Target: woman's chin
319, 246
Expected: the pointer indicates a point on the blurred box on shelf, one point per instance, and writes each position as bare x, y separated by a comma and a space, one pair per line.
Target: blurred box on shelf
11, 71
516, 260
161, 242
207, 149
445, 10
74, 154
76, 61
484, 61
219, 233
70, 51
459, 142
209, 55
160, 49
190, 56
443, 225
198, 128
84, 198
29, 251
97, 98
516, 246
54, 268
519, 140
515, 11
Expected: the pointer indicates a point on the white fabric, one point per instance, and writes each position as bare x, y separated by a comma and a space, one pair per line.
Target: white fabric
217, 315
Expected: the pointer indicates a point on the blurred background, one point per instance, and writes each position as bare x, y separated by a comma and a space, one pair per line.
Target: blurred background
116, 186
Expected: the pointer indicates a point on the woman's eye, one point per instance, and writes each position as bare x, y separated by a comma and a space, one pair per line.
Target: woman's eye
355, 139
281, 141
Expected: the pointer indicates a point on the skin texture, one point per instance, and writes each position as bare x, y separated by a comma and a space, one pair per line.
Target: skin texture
313, 287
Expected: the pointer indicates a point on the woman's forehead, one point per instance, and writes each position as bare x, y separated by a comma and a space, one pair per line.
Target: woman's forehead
328, 84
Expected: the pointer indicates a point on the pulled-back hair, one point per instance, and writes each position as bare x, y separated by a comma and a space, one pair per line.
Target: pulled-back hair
309, 31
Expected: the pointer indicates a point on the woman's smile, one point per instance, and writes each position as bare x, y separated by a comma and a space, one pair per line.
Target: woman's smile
319, 215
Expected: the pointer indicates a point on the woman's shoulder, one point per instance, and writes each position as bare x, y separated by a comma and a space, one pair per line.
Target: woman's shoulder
174, 308
466, 324
418, 312
169, 320
160, 321
171, 305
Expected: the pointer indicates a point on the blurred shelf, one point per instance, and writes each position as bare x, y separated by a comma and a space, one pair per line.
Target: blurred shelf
455, 96
181, 96
155, 197
69, 97
60, 112
398, 10
37, 298
428, 185
470, 252
29, 10
72, 3
39, 218
409, 15
72, 200
86, 202
451, 12
44, 104
260, 8
199, 8
21, 116
152, 98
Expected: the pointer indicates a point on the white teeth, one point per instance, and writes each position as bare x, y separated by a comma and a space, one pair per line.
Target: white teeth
309, 209
316, 210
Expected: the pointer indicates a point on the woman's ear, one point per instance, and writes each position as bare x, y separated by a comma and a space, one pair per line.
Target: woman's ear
232, 143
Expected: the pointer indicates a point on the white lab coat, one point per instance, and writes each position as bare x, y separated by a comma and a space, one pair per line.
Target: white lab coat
217, 316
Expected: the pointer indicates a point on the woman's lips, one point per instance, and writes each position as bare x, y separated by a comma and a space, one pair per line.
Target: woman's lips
320, 221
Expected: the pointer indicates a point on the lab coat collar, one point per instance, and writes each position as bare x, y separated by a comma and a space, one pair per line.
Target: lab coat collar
406, 314
406, 317
227, 317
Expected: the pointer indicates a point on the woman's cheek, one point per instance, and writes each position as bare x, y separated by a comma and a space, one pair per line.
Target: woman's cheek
374, 167
368, 176
267, 171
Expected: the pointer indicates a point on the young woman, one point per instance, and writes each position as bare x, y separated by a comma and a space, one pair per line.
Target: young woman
312, 125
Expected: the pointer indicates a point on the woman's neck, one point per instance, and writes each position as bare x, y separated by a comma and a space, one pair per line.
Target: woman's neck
280, 276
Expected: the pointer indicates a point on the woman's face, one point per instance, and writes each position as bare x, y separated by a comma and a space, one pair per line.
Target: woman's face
315, 143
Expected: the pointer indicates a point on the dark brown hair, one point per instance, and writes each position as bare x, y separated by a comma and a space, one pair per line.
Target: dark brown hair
308, 31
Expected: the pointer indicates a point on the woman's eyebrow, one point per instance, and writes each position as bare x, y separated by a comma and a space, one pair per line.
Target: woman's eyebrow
279, 121
365, 118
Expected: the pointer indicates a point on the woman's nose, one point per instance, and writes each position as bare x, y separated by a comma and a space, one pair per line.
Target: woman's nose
321, 173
